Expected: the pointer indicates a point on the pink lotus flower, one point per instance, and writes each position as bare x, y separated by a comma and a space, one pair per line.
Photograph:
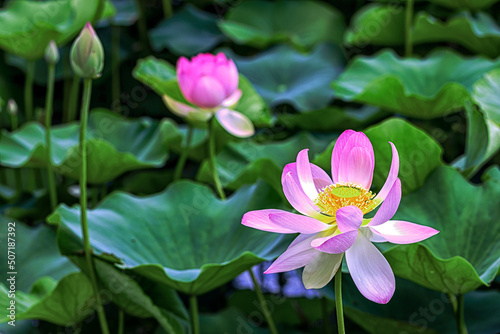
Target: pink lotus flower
332, 222
210, 83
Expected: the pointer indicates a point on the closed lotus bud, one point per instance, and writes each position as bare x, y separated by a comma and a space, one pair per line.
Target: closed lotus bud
12, 107
52, 53
87, 54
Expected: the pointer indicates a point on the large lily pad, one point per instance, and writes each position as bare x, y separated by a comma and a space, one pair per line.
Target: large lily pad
486, 93
479, 33
466, 252
300, 23
187, 33
160, 75
115, 145
282, 75
183, 237
246, 162
29, 26
421, 88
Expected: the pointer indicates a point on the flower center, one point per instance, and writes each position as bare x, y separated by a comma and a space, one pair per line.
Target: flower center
339, 195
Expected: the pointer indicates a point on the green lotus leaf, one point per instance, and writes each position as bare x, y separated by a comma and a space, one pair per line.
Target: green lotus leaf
29, 26
377, 24
187, 32
183, 237
465, 4
246, 162
282, 75
300, 23
419, 154
333, 119
485, 93
421, 88
115, 146
478, 33
160, 75
64, 303
466, 252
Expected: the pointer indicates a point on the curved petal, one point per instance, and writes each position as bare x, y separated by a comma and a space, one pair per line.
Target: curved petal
185, 111
226, 73
235, 123
297, 223
305, 175
320, 271
297, 255
232, 99
370, 271
389, 207
297, 198
184, 77
357, 166
337, 152
320, 177
206, 92
393, 175
259, 219
401, 232
336, 244
349, 218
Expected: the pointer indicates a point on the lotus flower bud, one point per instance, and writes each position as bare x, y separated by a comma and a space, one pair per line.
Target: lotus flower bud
87, 54
207, 80
52, 53
12, 107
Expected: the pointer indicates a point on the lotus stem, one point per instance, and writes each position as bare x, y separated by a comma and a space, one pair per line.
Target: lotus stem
193, 308
263, 305
461, 327
121, 321
338, 301
28, 89
211, 152
48, 120
87, 89
184, 154
167, 9
143, 29
408, 28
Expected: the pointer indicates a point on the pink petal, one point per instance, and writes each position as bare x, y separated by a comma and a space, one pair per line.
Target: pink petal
298, 254
226, 73
393, 175
320, 177
305, 175
336, 244
320, 271
337, 152
401, 232
349, 218
357, 165
207, 92
185, 111
297, 223
259, 219
184, 77
233, 99
297, 198
235, 123
389, 207
370, 271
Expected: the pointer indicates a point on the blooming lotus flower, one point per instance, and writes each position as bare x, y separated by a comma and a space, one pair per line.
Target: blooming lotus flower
331, 222
210, 83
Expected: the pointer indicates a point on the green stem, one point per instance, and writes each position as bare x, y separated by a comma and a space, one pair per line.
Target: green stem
48, 120
28, 89
115, 62
338, 301
461, 327
184, 154
211, 152
87, 89
453, 301
121, 321
193, 308
143, 29
14, 122
263, 305
73, 99
167, 9
408, 28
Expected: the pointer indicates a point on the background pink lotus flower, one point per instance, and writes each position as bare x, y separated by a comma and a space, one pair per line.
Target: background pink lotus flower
332, 222
210, 82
